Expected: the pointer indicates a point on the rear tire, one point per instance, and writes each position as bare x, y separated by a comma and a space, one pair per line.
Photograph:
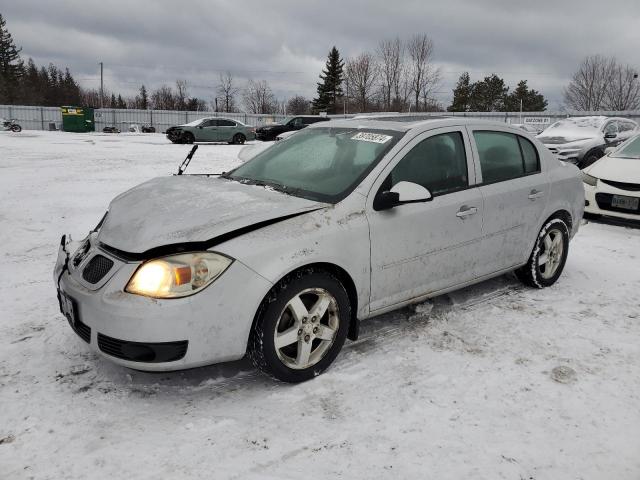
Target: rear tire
301, 326
548, 257
16, 128
188, 138
239, 139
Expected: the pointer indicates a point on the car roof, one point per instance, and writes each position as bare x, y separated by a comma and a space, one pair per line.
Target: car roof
404, 123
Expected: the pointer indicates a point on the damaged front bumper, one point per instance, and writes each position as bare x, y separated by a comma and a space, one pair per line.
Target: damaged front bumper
147, 333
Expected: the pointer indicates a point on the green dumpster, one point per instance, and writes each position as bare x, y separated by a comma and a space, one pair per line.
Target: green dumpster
78, 119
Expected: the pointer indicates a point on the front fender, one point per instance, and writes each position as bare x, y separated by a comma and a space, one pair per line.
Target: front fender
335, 235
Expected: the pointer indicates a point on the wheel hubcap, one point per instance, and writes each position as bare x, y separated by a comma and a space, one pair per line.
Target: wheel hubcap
307, 328
551, 253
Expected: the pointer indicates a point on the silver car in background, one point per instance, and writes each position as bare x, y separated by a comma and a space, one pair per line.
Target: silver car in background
281, 258
583, 140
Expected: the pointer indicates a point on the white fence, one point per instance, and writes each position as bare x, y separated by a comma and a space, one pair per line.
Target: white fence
46, 118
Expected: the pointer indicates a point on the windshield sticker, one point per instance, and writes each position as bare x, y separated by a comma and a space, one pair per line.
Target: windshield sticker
371, 137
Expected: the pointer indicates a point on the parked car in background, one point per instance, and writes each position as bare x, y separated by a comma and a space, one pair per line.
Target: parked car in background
110, 130
214, 129
269, 132
582, 140
10, 125
612, 184
282, 257
285, 135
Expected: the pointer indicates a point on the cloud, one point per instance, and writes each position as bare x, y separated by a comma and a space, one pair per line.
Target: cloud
286, 42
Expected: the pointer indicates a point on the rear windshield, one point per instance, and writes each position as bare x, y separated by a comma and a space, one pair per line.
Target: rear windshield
323, 164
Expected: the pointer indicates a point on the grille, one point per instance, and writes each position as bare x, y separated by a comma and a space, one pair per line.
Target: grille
632, 187
142, 351
97, 268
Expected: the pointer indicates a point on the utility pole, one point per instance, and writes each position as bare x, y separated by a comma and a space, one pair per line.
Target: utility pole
520, 110
101, 86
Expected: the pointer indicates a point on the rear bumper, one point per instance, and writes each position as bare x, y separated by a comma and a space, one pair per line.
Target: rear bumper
157, 335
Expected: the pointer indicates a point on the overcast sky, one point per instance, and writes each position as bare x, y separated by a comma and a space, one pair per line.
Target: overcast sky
286, 42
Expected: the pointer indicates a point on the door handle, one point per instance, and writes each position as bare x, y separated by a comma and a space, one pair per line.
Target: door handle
465, 211
535, 194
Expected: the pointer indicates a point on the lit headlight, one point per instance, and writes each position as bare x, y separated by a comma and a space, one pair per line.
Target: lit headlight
589, 180
177, 275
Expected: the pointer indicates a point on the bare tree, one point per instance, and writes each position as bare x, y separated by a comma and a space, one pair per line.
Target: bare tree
587, 89
258, 97
361, 74
623, 92
390, 53
227, 92
424, 75
182, 97
163, 99
298, 105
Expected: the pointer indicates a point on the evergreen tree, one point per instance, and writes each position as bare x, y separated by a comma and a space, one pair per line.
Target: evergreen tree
120, 103
11, 67
489, 95
462, 94
143, 98
532, 101
330, 89
112, 102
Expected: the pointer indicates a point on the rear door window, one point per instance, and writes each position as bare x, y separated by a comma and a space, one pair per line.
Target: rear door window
504, 156
529, 156
226, 123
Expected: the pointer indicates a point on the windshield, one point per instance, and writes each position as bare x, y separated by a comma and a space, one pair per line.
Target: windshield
630, 150
323, 164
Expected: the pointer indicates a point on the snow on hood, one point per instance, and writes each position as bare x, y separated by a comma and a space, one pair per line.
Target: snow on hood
573, 129
178, 209
625, 170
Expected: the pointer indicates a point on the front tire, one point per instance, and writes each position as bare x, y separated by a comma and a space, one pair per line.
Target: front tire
188, 138
548, 257
239, 139
301, 326
16, 128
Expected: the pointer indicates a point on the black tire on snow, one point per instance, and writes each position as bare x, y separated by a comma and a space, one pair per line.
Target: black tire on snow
530, 274
188, 138
16, 128
239, 139
261, 349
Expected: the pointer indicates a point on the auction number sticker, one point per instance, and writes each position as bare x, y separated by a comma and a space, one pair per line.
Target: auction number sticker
371, 137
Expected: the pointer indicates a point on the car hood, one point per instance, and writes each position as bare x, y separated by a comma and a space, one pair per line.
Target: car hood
625, 170
184, 209
568, 135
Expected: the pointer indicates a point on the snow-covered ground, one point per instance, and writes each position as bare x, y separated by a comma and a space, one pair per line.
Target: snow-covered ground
470, 389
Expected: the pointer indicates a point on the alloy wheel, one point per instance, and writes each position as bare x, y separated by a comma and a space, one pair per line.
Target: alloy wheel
307, 328
551, 253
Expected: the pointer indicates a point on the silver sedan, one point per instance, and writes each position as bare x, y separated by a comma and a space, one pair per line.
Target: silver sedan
281, 258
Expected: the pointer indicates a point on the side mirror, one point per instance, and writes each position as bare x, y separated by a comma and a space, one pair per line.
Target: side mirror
610, 136
401, 193
411, 192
